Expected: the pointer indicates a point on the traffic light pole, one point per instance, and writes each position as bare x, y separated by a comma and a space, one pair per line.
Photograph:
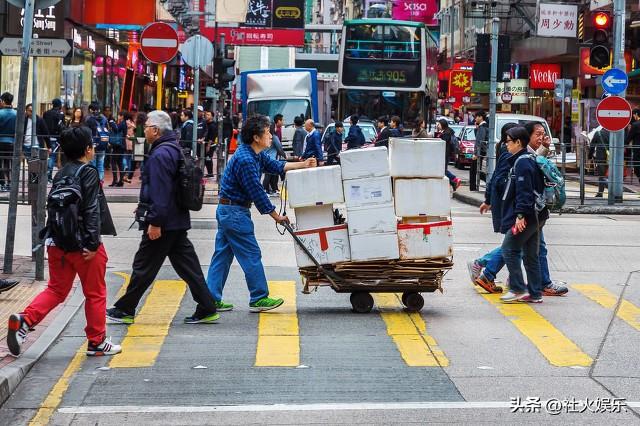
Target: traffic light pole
221, 154
491, 143
616, 139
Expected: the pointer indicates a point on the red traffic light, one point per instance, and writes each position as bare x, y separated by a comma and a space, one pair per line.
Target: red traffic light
602, 20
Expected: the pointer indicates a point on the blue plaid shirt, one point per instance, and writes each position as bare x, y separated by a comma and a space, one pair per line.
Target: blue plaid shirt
241, 179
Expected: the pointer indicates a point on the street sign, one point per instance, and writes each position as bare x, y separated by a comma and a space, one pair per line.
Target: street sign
51, 47
466, 99
39, 4
159, 42
613, 113
615, 81
562, 89
507, 97
197, 49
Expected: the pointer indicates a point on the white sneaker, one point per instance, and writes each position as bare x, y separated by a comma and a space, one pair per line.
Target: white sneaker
475, 269
17, 333
104, 348
513, 297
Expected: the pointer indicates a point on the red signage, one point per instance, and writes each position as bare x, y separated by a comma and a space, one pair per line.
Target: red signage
613, 113
415, 10
459, 83
119, 12
257, 36
543, 76
159, 42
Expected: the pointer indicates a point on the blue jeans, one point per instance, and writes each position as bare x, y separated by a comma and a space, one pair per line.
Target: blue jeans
545, 275
236, 237
492, 263
98, 163
523, 247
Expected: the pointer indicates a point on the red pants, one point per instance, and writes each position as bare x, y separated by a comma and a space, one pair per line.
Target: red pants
61, 276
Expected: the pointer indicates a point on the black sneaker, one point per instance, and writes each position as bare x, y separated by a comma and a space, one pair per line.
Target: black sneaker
205, 319
6, 285
17, 333
116, 316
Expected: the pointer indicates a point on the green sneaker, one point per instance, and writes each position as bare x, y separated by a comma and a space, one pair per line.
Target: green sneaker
209, 319
265, 304
223, 307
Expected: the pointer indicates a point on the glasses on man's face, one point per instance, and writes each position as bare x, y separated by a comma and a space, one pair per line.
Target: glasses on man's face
149, 127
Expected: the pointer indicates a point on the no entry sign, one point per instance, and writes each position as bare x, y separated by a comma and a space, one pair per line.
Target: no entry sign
159, 42
613, 113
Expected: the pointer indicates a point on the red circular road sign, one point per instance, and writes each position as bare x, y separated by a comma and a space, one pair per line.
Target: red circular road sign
159, 42
613, 113
506, 97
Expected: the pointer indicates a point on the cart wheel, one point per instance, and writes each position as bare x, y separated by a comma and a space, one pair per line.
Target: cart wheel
413, 301
361, 302
404, 297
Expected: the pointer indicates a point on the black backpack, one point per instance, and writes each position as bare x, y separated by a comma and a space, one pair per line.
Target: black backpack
63, 212
190, 180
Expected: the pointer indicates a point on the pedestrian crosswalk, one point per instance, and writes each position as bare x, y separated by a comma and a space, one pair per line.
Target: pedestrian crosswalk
278, 342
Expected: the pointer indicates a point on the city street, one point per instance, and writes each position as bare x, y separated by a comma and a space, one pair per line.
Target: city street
463, 359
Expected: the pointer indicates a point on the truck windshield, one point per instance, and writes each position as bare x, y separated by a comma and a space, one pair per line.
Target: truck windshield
289, 108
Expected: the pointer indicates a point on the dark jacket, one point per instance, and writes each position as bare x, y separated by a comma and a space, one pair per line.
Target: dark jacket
633, 137
482, 138
7, 125
212, 132
159, 187
42, 132
94, 211
383, 137
298, 141
54, 119
495, 189
334, 144
355, 138
314, 146
449, 139
186, 134
519, 197
97, 124
599, 147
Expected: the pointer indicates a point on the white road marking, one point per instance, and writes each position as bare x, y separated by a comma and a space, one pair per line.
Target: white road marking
614, 113
126, 409
159, 42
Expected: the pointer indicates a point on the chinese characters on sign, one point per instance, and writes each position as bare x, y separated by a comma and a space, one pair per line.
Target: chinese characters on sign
518, 88
558, 20
259, 36
258, 14
47, 22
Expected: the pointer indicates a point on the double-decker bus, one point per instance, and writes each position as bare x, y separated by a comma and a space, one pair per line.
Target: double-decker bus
386, 69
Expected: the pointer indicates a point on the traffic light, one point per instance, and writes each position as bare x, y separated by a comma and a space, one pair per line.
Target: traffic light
599, 55
223, 72
504, 59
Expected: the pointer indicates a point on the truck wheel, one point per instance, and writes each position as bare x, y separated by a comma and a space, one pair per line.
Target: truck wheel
413, 301
361, 302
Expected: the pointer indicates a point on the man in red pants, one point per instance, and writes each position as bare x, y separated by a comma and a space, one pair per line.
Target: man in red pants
72, 253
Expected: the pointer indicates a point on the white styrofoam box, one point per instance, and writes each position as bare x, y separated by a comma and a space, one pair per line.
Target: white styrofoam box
363, 163
367, 191
425, 240
374, 246
422, 197
416, 158
314, 217
314, 186
372, 219
327, 245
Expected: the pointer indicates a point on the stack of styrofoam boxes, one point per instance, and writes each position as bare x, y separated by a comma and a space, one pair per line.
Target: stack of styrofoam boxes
422, 197
312, 193
369, 199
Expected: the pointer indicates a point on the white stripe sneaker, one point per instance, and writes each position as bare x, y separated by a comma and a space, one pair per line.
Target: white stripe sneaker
104, 348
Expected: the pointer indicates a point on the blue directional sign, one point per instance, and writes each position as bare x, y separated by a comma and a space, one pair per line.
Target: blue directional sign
615, 81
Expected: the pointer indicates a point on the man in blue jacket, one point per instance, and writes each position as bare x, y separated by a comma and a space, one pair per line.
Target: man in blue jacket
165, 227
355, 138
7, 139
312, 147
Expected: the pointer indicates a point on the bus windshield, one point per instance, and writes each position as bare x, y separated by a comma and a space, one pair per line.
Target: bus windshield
289, 108
374, 103
382, 42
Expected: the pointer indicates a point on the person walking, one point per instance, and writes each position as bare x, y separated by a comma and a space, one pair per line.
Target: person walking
449, 138
633, 141
420, 129
118, 141
274, 152
210, 142
522, 220
334, 144
54, 120
599, 151
87, 259
482, 139
384, 132
138, 133
165, 227
7, 139
77, 118
312, 144
186, 129
355, 138
40, 129
298, 137
100, 131
239, 188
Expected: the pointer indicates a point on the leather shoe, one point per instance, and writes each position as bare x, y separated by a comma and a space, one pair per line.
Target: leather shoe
6, 285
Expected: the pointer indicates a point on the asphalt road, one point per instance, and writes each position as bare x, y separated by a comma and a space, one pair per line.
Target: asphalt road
462, 360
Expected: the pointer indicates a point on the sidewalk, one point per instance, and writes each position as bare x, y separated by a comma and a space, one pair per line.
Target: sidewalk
12, 370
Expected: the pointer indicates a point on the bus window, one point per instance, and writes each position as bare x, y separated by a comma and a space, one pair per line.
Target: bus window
365, 41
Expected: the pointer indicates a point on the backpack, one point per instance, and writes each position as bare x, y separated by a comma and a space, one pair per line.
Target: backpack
63, 212
190, 181
116, 138
554, 195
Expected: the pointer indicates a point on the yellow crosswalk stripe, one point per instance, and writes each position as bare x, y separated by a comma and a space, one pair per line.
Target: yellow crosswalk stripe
144, 339
278, 332
409, 333
628, 312
557, 348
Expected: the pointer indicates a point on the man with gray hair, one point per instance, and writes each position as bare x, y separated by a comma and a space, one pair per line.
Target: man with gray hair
165, 227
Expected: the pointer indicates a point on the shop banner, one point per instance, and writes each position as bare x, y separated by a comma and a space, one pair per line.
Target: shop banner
459, 83
257, 36
47, 22
558, 20
519, 89
543, 76
119, 12
275, 14
415, 10
259, 13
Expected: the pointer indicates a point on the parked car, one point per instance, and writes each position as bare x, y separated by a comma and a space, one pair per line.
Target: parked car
368, 129
466, 144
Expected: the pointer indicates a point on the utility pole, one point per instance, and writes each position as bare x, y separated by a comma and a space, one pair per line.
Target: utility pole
196, 99
27, 32
616, 160
491, 145
222, 150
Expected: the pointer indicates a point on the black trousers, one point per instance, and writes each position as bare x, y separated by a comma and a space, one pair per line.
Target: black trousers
473, 175
332, 159
270, 182
148, 261
117, 163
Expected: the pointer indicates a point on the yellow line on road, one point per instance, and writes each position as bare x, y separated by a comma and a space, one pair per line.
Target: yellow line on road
628, 312
557, 348
409, 333
278, 332
144, 339
54, 398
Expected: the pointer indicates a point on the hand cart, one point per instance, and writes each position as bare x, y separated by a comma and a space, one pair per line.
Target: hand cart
411, 277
